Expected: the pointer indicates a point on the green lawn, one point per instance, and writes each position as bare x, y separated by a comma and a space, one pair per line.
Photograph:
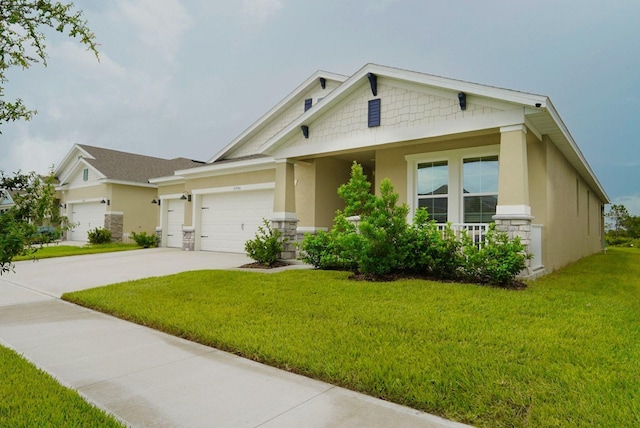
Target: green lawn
70, 250
564, 352
31, 398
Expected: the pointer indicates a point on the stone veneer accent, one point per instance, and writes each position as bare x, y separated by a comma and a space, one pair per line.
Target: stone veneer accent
519, 226
188, 239
289, 229
159, 236
113, 222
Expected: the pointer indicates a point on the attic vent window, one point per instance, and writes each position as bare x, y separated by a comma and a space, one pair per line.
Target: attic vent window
374, 113
308, 103
85, 174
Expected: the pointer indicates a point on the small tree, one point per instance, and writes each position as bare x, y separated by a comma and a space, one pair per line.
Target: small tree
618, 215
35, 205
267, 245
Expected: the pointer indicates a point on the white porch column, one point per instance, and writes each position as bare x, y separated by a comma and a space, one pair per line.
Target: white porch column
513, 212
284, 206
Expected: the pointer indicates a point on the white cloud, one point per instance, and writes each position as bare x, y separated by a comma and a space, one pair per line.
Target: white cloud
260, 10
29, 153
71, 53
160, 25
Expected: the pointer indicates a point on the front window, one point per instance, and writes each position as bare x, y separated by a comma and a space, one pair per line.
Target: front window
458, 186
433, 189
480, 189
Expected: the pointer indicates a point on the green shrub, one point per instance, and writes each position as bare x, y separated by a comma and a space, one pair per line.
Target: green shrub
99, 236
333, 250
267, 245
431, 251
497, 261
382, 246
383, 243
145, 241
622, 241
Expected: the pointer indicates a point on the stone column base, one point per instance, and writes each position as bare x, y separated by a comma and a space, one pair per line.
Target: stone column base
517, 226
159, 236
188, 239
113, 223
289, 229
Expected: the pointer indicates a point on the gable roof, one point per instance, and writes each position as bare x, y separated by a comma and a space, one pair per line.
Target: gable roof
538, 113
127, 167
277, 110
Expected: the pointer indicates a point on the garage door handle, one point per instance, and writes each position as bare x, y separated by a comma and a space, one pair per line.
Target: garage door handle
204, 236
205, 208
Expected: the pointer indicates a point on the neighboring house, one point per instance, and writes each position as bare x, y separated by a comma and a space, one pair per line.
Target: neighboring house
110, 189
6, 201
471, 154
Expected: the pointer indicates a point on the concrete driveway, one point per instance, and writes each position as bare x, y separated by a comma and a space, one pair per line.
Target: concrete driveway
151, 379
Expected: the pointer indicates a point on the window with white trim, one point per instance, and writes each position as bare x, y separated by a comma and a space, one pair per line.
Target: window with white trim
85, 174
480, 189
457, 186
433, 189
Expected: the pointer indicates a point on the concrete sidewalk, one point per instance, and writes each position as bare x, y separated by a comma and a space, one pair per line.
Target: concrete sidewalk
147, 378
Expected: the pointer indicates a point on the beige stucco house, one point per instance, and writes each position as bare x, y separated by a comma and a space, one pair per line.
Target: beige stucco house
110, 189
469, 153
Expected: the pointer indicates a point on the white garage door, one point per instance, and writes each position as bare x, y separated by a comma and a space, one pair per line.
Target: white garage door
175, 220
230, 219
85, 217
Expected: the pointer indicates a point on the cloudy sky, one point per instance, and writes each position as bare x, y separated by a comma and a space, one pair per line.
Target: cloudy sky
184, 77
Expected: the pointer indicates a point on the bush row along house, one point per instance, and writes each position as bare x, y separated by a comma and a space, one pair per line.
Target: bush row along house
471, 154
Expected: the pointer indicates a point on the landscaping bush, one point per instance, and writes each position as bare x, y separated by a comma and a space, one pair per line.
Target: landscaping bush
382, 247
99, 236
498, 261
332, 250
145, 241
383, 243
430, 251
267, 246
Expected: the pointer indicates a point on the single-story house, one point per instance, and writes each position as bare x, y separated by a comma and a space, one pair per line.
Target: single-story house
110, 189
470, 153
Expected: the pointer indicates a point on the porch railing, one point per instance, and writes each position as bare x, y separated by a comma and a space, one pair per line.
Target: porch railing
476, 231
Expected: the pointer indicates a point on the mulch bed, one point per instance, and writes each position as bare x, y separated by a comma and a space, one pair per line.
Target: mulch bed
256, 265
513, 285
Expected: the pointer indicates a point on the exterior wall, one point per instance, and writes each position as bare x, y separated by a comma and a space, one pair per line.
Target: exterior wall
77, 179
572, 231
330, 174
317, 197
305, 173
139, 214
406, 106
84, 193
537, 155
241, 179
263, 176
293, 111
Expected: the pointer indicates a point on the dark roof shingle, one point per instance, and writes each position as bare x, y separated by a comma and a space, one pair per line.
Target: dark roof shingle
117, 165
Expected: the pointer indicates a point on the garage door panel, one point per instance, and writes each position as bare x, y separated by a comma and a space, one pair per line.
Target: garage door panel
230, 219
85, 217
175, 221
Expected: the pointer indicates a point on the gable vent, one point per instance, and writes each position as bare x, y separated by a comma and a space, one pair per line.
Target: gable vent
374, 113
